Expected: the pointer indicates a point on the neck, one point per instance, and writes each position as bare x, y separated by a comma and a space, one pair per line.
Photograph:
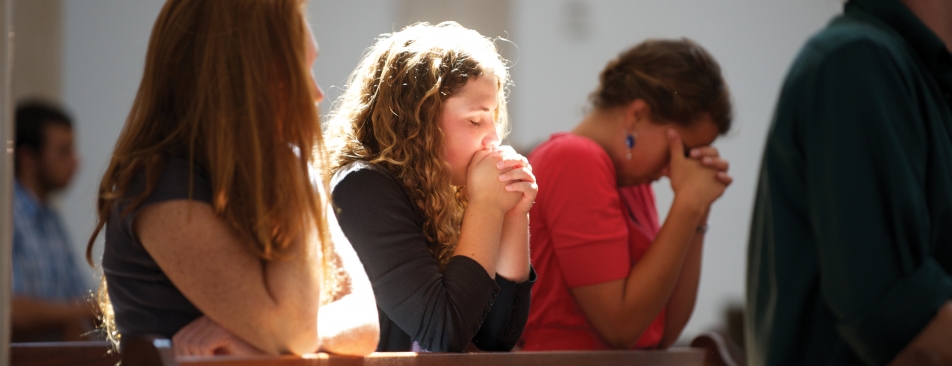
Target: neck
32, 184
936, 15
605, 127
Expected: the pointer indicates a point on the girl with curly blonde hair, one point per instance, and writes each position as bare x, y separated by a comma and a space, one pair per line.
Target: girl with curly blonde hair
436, 210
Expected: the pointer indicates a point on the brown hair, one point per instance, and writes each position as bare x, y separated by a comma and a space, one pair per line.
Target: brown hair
227, 86
390, 111
678, 79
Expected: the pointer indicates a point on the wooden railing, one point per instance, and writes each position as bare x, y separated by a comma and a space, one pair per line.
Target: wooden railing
158, 352
63, 353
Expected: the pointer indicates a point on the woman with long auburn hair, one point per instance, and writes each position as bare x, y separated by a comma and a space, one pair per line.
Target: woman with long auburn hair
214, 203
610, 276
436, 210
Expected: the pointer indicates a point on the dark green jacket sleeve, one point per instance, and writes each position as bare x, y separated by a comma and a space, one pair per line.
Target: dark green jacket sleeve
865, 149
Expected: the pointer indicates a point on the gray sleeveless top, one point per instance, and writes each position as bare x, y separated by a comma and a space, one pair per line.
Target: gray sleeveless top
144, 299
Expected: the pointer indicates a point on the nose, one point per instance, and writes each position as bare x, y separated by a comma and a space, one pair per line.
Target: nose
492, 136
316, 89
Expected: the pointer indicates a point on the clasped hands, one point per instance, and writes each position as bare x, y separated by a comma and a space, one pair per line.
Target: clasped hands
503, 178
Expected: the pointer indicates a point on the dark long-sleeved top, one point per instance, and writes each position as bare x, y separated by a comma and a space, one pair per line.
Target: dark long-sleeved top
416, 302
851, 239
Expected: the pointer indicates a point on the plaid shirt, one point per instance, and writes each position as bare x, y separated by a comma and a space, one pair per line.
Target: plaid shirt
44, 265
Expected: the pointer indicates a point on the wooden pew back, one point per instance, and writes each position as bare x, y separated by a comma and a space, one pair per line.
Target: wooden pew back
157, 352
708, 351
93, 353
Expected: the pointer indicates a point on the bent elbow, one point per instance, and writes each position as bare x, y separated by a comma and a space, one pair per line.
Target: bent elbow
294, 335
349, 326
621, 339
620, 343
301, 342
368, 339
359, 341
366, 342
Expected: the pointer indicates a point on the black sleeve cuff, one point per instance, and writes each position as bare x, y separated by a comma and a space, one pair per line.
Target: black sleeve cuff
474, 294
503, 324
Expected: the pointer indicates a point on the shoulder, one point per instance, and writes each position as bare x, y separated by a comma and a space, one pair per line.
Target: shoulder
25, 206
843, 70
178, 179
363, 180
362, 173
567, 145
848, 30
852, 44
570, 152
369, 189
572, 169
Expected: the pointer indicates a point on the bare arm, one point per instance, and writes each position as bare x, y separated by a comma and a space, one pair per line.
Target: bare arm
681, 305
621, 310
514, 243
514, 248
482, 228
349, 325
272, 305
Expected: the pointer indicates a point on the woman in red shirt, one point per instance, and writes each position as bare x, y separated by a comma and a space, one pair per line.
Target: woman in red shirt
609, 277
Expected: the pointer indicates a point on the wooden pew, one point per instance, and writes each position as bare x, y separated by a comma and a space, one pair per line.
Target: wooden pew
709, 349
93, 353
158, 352
719, 350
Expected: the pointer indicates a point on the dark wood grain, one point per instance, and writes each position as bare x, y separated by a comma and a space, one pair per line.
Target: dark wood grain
94, 353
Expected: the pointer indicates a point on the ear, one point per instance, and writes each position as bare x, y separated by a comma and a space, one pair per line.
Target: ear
25, 158
638, 112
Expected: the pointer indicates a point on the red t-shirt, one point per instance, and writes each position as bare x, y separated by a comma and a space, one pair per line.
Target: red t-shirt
585, 230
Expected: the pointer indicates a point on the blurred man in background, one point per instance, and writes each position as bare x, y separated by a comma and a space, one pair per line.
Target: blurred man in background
49, 290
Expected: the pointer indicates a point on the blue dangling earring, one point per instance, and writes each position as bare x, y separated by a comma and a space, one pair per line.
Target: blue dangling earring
630, 142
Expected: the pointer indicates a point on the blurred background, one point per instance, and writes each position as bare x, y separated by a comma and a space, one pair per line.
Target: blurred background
87, 55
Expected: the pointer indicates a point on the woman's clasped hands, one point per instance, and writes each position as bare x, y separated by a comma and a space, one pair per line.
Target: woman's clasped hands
503, 178
700, 176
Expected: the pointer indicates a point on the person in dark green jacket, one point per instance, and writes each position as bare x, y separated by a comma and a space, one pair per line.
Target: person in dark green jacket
851, 239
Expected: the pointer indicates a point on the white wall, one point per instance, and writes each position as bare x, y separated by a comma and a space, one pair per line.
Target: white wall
104, 53
104, 45
562, 45
565, 43
343, 30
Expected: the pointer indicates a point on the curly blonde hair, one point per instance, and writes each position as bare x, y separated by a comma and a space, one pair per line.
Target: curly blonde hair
389, 116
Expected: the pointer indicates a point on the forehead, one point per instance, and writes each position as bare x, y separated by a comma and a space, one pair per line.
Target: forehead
57, 133
702, 132
481, 90
309, 38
